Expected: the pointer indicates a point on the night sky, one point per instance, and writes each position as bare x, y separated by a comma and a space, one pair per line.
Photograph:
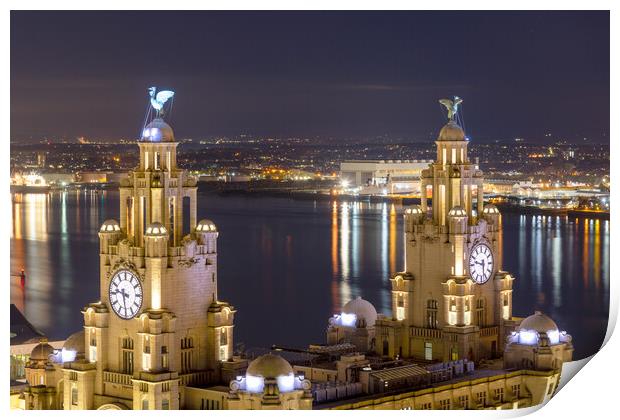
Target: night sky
328, 74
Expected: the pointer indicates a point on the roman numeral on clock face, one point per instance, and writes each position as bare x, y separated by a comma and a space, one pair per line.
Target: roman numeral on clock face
125, 294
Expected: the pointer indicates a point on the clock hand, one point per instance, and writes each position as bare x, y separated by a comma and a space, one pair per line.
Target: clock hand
124, 303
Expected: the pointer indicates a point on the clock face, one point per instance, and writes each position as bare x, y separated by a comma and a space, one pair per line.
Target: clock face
481, 263
125, 294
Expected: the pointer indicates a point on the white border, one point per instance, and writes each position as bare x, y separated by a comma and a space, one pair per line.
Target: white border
590, 394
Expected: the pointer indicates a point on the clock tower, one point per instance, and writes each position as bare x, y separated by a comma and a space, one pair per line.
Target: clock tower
158, 325
453, 300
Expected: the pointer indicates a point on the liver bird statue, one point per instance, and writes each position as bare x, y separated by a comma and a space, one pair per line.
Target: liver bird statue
452, 105
159, 99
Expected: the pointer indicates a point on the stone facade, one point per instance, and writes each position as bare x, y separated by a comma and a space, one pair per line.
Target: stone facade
439, 312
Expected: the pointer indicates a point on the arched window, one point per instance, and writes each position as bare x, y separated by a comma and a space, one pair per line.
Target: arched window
431, 313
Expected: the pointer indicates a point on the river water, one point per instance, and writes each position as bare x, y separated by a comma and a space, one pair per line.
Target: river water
288, 265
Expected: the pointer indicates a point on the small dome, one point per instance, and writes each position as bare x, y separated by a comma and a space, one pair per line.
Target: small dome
75, 342
362, 309
206, 225
538, 322
110, 225
73, 347
157, 131
490, 209
538, 329
413, 210
457, 211
451, 132
269, 366
156, 229
42, 351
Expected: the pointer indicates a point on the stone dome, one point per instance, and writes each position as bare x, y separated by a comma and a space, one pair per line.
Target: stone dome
42, 351
538, 322
206, 225
538, 329
74, 347
269, 366
110, 225
362, 309
75, 342
457, 211
490, 209
158, 131
156, 229
415, 209
451, 132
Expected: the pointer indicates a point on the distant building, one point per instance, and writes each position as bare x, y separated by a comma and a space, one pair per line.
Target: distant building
41, 156
393, 176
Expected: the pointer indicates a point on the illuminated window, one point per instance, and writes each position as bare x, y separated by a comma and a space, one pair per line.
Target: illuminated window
74, 394
452, 312
223, 345
156, 161
467, 314
428, 351
454, 354
400, 307
92, 354
164, 357
453, 155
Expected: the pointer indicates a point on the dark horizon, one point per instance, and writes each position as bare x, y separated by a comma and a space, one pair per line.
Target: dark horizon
309, 74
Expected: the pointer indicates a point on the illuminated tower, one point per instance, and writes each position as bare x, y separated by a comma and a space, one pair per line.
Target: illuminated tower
158, 325
453, 300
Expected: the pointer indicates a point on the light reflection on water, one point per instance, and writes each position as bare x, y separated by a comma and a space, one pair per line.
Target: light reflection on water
289, 265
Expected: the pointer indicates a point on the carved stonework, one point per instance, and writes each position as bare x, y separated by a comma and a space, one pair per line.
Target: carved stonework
429, 239
122, 263
188, 262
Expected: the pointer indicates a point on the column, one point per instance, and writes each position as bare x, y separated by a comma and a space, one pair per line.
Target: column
423, 199
192, 209
480, 198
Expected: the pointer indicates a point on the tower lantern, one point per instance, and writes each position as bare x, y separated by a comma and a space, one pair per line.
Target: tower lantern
453, 293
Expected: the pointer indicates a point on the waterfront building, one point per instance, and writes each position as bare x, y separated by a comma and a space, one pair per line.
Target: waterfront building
159, 337
382, 176
158, 327
451, 306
